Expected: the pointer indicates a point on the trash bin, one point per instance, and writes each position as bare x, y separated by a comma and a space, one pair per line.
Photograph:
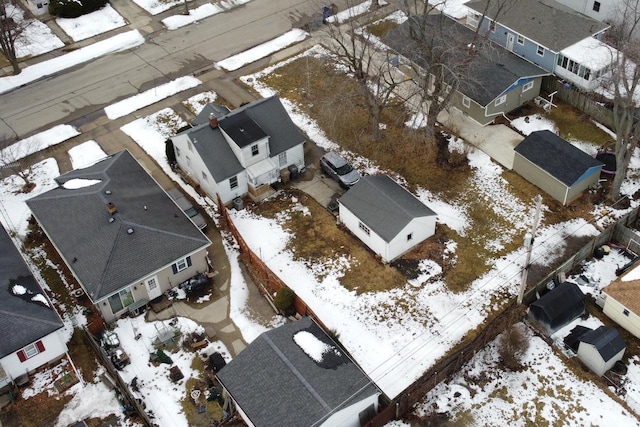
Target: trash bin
293, 171
238, 204
285, 175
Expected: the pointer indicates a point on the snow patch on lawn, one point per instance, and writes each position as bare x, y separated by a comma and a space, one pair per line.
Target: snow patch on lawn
91, 24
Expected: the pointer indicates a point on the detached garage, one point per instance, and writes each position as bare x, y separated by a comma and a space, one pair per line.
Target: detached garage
601, 349
558, 307
555, 166
385, 216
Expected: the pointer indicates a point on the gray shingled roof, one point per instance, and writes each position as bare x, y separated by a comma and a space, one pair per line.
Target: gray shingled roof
383, 205
242, 129
556, 156
276, 383
492, 71
270, 117
102, 254
607, 341
204, 115
22, 320
559, 306
546, 22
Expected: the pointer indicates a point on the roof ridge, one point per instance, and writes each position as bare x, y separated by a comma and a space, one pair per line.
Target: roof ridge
99, 286
32, 318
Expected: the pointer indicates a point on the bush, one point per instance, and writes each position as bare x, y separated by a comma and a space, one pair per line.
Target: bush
284, 299
512, 346
163, 357
74, 8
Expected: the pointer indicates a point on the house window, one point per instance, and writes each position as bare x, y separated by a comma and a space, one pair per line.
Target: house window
520, 39
233, 182
596, 6
30, 351
501, 100
540, 50
625, 312
409, 236
473, 19
254, 150
204, 176
492, 26
466, 101
364, 228
282, 159
527, 86
182, 264
152, 283
119, 301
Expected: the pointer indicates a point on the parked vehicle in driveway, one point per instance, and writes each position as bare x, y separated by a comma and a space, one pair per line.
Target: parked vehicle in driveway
188, 208
339, 169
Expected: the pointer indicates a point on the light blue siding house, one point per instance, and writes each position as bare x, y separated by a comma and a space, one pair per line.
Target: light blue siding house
539, 31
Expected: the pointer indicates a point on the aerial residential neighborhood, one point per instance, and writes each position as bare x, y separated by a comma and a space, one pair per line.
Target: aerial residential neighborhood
362, 213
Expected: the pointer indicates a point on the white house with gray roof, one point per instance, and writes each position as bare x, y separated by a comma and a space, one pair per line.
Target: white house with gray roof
385, 216
234, 153
31, 332
296, 375
546, 33
123, 238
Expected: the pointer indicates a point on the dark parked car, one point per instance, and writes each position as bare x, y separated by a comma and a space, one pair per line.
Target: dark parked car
188, 208
339, 169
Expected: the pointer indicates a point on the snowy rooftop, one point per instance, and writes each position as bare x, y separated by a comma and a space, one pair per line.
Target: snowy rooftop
591, 53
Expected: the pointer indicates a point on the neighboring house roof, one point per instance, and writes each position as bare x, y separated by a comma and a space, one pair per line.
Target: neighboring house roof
559, 306
383, 205
268, 115
103, 255
25, 312
556, 156
490, 73
276, 383
546, 22
209, 110
626, 290
606, 340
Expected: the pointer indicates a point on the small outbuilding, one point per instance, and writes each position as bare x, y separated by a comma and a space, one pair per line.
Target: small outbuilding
558, 307
601, 348
385, 216
555, 166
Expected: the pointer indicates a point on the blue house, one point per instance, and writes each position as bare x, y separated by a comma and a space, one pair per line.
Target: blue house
540, 31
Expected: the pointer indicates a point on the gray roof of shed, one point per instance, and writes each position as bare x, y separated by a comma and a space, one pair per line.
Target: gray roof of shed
556, 156
22, 320
383, 205
607, 341
492, 71
546, 22
102, 254
268, 115
276, 383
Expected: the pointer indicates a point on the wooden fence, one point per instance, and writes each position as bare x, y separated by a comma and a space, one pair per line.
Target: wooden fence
445, 368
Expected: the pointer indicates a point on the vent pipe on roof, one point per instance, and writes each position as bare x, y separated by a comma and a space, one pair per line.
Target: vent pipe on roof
213, 121
129, 230
111, 208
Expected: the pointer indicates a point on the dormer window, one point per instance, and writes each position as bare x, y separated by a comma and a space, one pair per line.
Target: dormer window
254, 150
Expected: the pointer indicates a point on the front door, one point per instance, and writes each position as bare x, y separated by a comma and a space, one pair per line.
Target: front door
510, 39
153, 289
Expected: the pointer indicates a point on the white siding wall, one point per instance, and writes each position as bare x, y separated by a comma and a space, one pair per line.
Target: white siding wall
373, 241
295, 156
166, 280
54, 347
195, 166
607, 7
350, 416
249, 159
615, 311
227, 194
590, 357
420, 229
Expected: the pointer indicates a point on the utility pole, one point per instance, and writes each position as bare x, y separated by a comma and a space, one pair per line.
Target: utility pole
528, 244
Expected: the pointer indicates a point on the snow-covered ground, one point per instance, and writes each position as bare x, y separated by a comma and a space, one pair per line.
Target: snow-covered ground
177, 21
37, 37
151, 96
37, 142
265, 49
155, 7
91, 24
86, 154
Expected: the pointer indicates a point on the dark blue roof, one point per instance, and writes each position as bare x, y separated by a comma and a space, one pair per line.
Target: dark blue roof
556, 156
558, 307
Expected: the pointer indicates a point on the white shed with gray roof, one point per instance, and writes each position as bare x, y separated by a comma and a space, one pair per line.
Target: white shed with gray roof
385, 216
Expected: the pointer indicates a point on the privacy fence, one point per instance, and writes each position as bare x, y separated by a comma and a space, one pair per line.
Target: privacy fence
444, 369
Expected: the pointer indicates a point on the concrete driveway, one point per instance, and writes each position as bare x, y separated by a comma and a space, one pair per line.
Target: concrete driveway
319, 186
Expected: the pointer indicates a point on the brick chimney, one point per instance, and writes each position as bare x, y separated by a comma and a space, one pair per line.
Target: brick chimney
111, 208
213, 121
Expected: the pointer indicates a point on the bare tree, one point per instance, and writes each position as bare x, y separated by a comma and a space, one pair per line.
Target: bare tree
370, 66
12, 28
623, 83
12, 160
512, 346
